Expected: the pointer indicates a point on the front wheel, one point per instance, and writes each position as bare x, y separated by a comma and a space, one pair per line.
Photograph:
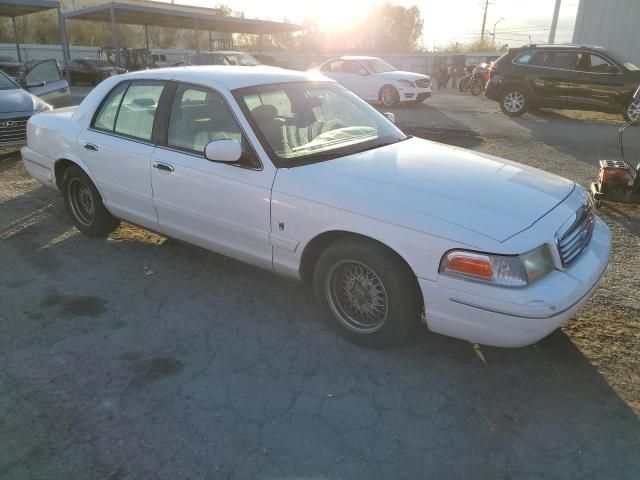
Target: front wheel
389, 96
368, 293
632, 112
84, 204
514, 102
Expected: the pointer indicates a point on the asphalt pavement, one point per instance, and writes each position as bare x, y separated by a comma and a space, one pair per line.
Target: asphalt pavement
138, 357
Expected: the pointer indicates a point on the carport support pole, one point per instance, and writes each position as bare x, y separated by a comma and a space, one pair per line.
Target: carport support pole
197, 32
260, 43
114, 36
15, 35
210, 42
146, 37
65, 44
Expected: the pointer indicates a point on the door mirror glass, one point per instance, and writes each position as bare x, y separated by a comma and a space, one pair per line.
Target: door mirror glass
227, 151
390, 116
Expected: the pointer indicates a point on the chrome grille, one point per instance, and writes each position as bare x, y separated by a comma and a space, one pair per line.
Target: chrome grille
13, 131
423, 83
574, 238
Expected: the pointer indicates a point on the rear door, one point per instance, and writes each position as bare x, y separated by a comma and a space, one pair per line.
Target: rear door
117, 147
220, 206
596, 83
549, 71
55, 90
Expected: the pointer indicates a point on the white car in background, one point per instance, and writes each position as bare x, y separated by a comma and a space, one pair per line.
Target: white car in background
375, 80
294, 173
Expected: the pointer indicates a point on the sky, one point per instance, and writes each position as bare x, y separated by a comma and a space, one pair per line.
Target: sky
444, 20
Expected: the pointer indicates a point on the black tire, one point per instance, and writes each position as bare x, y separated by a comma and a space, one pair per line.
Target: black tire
476, 87
389, 96
632, 111
84, 204
514, 101
351, 271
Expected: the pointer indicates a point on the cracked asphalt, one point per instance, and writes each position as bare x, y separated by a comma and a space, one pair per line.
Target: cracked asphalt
139, 357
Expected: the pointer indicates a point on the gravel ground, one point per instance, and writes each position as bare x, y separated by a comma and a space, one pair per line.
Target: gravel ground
139, 357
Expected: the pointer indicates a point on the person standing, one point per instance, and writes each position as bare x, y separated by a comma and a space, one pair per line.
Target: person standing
454, 78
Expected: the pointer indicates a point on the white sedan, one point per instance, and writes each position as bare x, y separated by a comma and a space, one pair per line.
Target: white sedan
375, 80
294, 173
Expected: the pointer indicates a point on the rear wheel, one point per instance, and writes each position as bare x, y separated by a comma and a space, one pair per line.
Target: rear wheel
476, 87
389, 96
514, 101
84, 204
368, 293
632, 112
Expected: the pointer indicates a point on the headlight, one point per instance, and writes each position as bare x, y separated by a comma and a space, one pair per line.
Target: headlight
407, 83
503, 270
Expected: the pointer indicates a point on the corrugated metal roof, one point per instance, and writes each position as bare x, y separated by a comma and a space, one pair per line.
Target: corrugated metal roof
17, 8
136, 12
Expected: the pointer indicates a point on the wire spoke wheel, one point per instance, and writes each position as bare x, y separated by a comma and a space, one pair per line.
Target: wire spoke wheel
81, 201
633, 111
388, 96
357, 296
514, 102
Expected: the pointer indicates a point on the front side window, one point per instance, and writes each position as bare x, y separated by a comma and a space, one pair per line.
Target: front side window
377, 65
587, 62
306, 122
138, 108
334, 66
6, 83
549, 59
199, 116
46, 71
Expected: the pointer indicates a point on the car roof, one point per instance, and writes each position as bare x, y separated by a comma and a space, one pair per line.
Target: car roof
571, 46
229, 76
225, 52
356, 57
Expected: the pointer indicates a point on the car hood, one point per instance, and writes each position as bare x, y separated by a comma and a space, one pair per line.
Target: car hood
18, 100
415, 181
400, 75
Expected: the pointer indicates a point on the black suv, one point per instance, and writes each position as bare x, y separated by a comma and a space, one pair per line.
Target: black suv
564, 76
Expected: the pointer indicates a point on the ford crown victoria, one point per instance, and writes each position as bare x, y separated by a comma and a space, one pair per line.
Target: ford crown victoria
294, 173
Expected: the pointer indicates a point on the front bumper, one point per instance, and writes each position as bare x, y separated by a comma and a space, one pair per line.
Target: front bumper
411, 94
492, 90
515, 317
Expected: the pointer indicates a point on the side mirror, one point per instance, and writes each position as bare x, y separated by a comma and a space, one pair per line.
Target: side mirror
227, 151
390, 116
35, 84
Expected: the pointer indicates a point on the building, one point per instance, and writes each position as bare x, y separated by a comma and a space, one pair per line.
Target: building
612, 24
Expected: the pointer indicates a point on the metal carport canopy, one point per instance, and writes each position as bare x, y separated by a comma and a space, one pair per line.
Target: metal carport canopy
177, 16
18, 8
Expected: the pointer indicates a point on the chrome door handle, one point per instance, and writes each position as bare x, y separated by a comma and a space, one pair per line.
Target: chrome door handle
163, 166
91, 146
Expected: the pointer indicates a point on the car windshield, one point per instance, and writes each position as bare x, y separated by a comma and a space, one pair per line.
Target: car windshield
98, 63
241, 59
378, 66
307, 122
6, 83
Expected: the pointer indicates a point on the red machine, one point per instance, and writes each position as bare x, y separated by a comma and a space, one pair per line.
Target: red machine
618, 181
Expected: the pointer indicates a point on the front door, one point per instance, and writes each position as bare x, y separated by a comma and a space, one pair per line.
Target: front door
117, 149
220, 206
548, 81
55, 90
596, 83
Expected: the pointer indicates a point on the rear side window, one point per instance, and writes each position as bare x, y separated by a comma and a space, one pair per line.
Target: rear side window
106, 117
560, 60
130, 109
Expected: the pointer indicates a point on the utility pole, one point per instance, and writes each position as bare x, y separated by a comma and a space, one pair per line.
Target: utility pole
484, 21
554, 22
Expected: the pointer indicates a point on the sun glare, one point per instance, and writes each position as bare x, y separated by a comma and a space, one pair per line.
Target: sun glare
338, 14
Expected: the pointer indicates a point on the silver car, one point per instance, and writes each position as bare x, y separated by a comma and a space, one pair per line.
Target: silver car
18, 104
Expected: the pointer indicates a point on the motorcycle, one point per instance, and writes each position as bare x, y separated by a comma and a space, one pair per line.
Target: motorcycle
463, 86
479, 79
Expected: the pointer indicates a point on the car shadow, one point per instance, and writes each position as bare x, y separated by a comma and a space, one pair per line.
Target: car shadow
150, 353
